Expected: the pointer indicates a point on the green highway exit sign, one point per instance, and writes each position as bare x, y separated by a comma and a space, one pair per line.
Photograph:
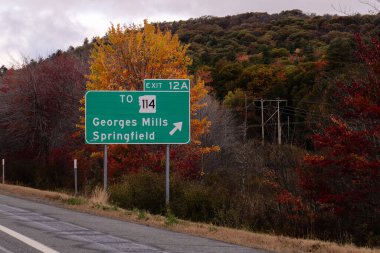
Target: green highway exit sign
138, 117
167, 85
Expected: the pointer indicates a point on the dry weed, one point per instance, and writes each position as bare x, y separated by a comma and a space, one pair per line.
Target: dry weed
99, 196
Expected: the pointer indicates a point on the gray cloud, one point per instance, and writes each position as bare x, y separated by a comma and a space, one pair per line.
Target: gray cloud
40, 27
32, 32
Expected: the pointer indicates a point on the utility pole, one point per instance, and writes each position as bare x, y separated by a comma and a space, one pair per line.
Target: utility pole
272, 116
262, 122
278, 122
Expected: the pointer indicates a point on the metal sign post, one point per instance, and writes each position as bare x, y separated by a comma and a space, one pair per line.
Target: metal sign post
167, 175
76, 176
105, 168
167, 85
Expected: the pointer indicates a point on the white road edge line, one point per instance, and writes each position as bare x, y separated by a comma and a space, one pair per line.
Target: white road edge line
5, 250
27, 240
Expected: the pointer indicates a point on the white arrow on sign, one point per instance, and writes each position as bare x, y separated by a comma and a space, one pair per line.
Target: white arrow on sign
177, 126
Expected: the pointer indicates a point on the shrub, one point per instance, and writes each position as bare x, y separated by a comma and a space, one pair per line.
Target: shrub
219, 197
145, 190
193, 201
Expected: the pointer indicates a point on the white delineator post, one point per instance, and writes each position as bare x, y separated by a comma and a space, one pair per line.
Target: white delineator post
3, 164
278, 122
262, 123
76, 176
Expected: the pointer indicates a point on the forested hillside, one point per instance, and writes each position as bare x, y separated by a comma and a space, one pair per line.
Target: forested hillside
291, 55
313, 78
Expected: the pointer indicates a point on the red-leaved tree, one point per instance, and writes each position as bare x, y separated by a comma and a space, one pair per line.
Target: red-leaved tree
39, 104
342, 181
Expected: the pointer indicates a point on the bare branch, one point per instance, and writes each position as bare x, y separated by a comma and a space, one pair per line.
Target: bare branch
373, 4
345, 10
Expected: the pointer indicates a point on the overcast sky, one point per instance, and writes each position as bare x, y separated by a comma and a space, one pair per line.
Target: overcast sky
33, 28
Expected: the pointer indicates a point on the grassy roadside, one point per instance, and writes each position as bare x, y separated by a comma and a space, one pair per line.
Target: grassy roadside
97, 206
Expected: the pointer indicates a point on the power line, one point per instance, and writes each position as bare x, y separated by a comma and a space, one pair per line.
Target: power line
312, 115
284, 124
310, 102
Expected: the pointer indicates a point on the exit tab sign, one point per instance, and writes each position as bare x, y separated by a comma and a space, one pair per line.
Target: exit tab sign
167, 85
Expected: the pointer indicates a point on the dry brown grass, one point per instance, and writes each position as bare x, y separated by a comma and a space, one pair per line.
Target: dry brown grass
99, 196
30, 192
240, 237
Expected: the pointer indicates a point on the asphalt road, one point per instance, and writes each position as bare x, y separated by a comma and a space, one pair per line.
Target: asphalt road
30, 226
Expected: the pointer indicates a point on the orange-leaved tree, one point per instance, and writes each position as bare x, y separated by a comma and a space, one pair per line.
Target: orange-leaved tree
121, 61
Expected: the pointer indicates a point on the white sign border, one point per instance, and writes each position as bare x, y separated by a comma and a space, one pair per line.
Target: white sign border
150, 143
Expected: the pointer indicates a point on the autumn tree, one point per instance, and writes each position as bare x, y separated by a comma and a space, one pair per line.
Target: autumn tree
343, 179
261, 78
235, 99
226, 75
121, 61
340, 53
224, 133
38, 102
